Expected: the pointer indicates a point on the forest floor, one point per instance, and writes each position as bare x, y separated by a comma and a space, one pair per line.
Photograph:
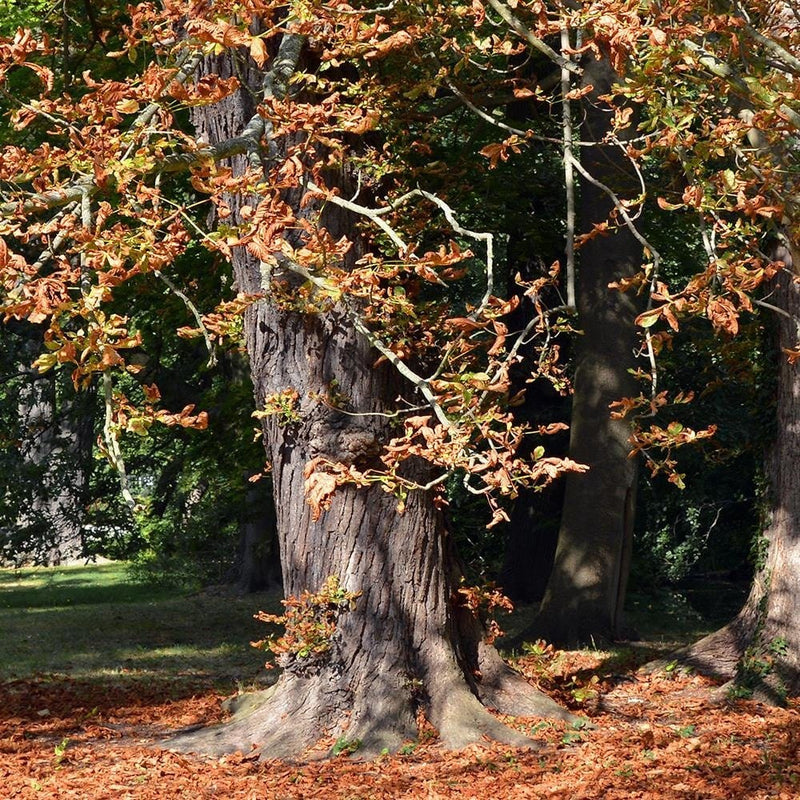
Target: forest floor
83, 730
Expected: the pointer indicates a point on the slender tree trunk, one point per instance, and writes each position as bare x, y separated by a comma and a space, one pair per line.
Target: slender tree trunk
531, 546
586, 591
259, 565
405, 645
56, 441
760, 647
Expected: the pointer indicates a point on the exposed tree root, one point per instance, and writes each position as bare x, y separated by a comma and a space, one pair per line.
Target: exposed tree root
735, 655
506, 691
299, 717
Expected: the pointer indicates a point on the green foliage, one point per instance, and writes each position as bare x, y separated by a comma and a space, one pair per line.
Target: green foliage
573, 735
757, 670
709, 526
60, 750
192, 486
283, 405
344, 746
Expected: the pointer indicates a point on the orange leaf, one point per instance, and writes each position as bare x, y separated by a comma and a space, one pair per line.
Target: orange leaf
319, 487
258, 51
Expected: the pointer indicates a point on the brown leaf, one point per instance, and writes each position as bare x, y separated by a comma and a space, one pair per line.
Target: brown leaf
319, 487
258, 51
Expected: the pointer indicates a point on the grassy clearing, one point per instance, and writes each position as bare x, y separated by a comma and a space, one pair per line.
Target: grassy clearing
94, 622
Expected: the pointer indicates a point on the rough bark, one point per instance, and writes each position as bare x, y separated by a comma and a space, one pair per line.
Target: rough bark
760, 647
404, 647
586, 591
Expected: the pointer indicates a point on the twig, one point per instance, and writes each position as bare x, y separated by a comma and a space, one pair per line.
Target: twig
481, 236
212, 358
569, 172
113, 452
534, 41
783, 312
364, 211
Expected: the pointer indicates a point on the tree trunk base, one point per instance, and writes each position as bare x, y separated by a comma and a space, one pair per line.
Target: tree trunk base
748, 662
308, 718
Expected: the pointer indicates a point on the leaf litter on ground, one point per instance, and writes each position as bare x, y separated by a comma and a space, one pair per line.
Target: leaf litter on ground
662, 735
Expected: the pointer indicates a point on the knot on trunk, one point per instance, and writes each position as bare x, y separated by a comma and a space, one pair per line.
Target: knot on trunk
349, 446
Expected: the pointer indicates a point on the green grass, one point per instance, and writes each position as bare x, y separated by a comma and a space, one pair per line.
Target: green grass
94, 622
41, 587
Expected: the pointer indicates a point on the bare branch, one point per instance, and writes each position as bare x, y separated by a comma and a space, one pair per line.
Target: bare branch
569, 172
212, 358
534, 41
786, 59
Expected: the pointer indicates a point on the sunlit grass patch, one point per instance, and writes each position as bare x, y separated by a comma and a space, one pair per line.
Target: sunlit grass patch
95, 620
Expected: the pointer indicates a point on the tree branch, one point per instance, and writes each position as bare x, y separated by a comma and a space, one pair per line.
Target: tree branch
569, 173
212, 359
722, 70
621, 210
534, 41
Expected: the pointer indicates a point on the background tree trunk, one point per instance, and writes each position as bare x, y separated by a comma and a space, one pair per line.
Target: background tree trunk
586, 591
56, 437
760, 647
531, 545
258, 564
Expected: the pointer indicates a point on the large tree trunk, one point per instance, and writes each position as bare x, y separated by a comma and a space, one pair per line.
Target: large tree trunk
586, 591
405, 645
760, 647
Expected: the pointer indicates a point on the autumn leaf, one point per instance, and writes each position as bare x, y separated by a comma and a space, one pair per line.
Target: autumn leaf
464, 324
723, 315
397, 41
667, 206
648, 318
319, 487
152, 394
258, 51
